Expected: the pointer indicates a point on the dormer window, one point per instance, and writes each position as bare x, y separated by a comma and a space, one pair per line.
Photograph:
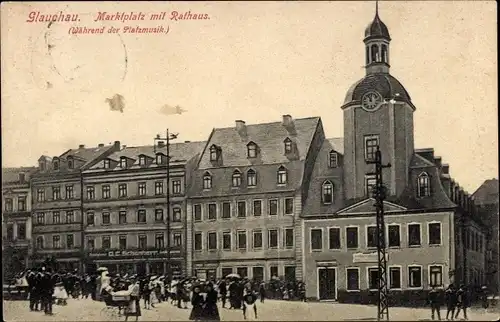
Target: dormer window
288, 145
423, 185
214, 152
333, 160
236, 178
252, 150
41, 164
159, 158
55, 164
107, 164
207, 181
123, 162
282, 175
251, 178
71, 163
327, 192
142, 160
22, 177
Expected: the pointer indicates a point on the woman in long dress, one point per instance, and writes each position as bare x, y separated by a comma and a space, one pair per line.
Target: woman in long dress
197, 301
210, 310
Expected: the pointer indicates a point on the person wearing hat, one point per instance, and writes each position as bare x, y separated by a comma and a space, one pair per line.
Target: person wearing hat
451, 301
210, 310
134, 307
462, 301
198, 302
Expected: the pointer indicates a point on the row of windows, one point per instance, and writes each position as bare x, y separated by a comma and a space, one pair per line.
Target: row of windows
142, 241
252, 150
56, 163
257, 272
251, 178
395, 277
56, 242
9, 204
225, 239
68, 218
56, 193
20, 231
141, 190
141, 216
225, 209
143, 160
474, 241
335, 240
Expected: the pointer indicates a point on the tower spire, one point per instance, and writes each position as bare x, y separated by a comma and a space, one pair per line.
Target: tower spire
376, 7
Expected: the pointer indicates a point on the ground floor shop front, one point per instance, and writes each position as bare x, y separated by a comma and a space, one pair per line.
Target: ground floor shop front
258, 270
136, 262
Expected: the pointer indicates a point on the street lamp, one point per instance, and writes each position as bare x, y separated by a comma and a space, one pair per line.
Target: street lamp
167, 138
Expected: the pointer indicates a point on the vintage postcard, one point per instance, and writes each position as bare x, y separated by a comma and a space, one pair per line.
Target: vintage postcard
276, 161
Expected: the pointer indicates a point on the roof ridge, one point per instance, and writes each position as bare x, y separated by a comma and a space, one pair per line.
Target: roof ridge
268, 123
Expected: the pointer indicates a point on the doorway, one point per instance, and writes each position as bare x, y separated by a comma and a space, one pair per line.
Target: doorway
327, 288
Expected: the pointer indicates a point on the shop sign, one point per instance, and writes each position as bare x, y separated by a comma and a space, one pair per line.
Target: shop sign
367, 257
132, 253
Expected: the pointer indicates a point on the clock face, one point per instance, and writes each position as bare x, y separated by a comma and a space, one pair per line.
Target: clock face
371, 101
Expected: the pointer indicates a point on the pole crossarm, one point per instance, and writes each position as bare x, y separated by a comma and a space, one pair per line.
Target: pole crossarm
379, 194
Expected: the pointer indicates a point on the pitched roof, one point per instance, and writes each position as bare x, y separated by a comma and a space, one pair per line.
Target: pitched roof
178, 151
487, 193
269, 138
86, 154
11, 175
337, 144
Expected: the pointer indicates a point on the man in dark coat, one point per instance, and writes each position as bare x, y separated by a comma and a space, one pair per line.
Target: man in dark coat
462, 301
435, 303
223, 292
34, 292
47, 289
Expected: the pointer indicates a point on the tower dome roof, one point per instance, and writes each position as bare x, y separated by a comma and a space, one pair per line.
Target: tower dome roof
377, 29
388, 86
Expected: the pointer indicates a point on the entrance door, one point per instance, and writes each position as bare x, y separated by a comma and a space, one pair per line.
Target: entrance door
326, 283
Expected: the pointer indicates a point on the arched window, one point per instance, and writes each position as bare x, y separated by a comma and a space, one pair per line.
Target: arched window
39, 242
71, 163
252, 150
251, 178
55, 164
327, 192
375, 54
236, 178
367, 55
282, 175
207, 181
423, 185
214, 153
288, 145
385, 58
333, 160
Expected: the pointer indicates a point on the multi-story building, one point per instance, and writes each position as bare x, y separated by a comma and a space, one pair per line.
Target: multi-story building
246, 198
125, 208
57, 204
486, 199
16, 218
434, 235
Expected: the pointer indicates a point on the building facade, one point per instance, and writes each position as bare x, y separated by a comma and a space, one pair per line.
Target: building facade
16, 218
486, 199
246, 198
433, 233
125, 209
56, 187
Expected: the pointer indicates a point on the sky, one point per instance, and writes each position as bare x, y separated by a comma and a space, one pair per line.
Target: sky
249, 61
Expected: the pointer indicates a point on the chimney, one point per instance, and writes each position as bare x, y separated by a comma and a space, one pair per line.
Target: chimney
161, 144
445, 168
438, 162
117, 145
81, 146
101, 145
187, 141
287, 120
123, 146
240, 126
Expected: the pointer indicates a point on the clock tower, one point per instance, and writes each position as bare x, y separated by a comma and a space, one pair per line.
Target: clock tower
377, 112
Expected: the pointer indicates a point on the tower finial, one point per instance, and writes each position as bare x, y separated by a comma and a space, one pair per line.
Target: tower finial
376, 7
